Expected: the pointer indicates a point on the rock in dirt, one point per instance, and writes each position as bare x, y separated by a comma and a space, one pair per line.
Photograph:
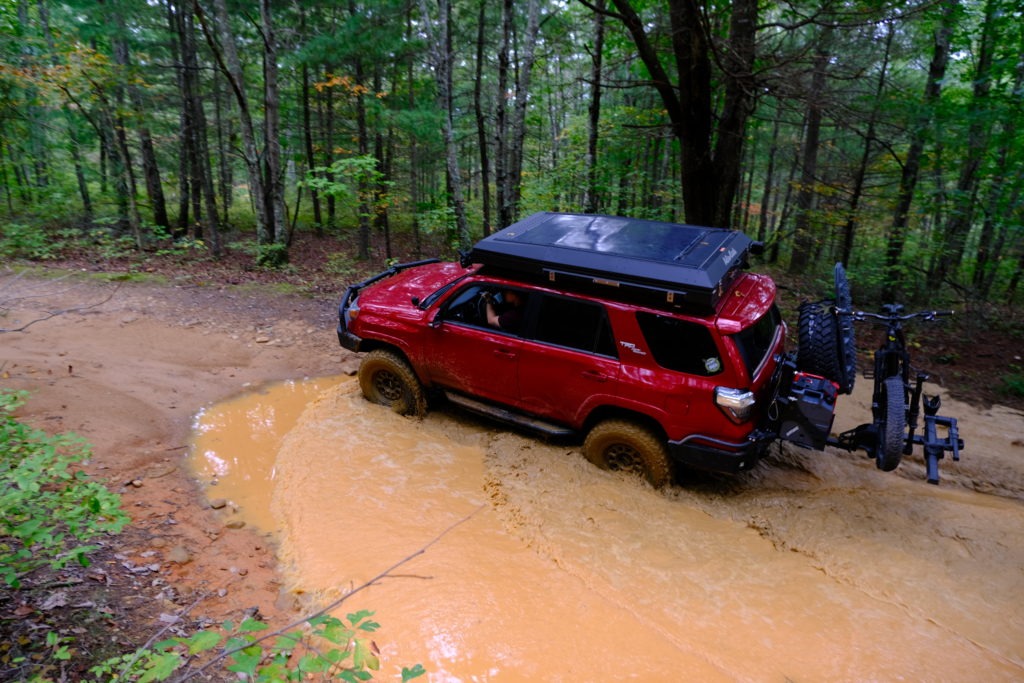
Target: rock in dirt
179, 554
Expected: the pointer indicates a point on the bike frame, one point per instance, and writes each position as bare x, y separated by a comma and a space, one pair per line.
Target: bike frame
892, 359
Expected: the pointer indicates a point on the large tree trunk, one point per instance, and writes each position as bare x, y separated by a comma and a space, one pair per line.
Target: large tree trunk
709, 176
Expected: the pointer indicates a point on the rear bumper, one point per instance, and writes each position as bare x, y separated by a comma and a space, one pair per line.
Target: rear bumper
714, 455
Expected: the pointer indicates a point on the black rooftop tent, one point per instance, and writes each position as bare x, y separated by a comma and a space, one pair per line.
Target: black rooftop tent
680, 264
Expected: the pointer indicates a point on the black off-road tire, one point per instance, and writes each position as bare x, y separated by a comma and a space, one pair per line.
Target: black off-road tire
625, 446
893, 432
846, 341
826, 345
386, 378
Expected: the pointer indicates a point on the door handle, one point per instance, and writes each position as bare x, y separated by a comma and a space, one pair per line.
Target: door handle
505, 353
594, 375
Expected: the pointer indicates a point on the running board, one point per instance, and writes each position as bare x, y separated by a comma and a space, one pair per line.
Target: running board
507, 416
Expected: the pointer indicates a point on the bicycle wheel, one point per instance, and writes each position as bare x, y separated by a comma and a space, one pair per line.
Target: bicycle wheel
894, 425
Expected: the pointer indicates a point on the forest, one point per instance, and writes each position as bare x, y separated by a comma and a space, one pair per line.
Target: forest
878, 133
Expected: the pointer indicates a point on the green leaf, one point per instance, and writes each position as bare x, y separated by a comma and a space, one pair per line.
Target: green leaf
201, 641
251, 625
414, 672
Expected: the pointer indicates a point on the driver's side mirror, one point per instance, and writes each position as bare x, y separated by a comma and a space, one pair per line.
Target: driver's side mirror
436, 321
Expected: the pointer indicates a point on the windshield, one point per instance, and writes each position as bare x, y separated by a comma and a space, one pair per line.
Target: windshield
755, 342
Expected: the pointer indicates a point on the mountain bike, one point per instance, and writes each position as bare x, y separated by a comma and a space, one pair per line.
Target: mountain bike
897, 400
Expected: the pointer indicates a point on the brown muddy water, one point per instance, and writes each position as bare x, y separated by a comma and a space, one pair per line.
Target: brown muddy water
537, 566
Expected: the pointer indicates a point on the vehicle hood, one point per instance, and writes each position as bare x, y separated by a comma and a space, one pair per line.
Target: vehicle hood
397, 292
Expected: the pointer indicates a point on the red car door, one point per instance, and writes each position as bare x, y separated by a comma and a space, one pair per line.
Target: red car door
569, 360
466, 355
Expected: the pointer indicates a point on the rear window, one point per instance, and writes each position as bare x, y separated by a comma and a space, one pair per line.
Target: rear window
680, 345
755, 342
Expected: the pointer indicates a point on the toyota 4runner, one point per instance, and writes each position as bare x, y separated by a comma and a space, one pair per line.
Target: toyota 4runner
649, 339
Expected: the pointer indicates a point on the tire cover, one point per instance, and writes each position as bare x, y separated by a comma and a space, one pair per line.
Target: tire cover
846, 345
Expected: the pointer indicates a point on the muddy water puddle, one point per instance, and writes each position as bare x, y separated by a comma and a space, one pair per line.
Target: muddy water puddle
520, 561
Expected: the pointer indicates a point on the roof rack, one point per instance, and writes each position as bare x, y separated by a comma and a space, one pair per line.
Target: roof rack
676, 264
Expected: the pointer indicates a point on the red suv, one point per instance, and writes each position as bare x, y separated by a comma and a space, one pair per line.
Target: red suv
649, 338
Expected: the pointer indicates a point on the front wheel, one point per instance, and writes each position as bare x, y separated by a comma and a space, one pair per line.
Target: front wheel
387, 379
626, 446
894, 424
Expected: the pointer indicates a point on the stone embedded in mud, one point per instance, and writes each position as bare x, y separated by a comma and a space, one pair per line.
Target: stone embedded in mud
179, 554
218, 503
235, 524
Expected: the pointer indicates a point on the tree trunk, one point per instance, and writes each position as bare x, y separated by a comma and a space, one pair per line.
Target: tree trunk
517, 131
222, 45
953, 237
592, 199
804, 239
709, 176
274, 184
912, 164
862, 169
441, 59
501, 126
481, 129
74, 148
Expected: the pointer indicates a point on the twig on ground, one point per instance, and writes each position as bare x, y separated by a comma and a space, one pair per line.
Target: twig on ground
54, 314
384, 574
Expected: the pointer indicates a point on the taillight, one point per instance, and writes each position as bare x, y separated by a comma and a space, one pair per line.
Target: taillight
737, 404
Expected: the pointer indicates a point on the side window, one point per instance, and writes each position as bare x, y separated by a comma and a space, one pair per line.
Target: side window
470, 306
680, 345
576, 324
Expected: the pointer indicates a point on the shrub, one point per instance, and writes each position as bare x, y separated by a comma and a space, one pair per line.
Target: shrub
50, 510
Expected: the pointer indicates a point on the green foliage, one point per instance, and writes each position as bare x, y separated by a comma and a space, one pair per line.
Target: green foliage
18, 240
340, 264
327, 648
1013, 382
352, 179
50, 510
273, 256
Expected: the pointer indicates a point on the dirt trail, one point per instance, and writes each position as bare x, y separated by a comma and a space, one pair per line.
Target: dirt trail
811, 567
129, 375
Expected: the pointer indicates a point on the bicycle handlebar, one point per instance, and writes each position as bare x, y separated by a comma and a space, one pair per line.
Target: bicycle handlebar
889, 317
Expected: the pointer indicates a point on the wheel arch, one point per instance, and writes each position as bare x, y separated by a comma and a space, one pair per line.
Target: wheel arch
382, 345
612, 412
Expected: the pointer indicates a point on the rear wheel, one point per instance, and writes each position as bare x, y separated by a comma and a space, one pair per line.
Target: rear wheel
894, 425
387, 379
625, 446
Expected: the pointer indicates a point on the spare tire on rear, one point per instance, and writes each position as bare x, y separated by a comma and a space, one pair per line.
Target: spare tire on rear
826, 343
823, 348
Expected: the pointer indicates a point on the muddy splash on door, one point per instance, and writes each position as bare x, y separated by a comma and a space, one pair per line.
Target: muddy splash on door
520, 561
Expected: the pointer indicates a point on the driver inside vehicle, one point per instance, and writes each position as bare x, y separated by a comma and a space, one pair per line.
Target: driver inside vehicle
505, 311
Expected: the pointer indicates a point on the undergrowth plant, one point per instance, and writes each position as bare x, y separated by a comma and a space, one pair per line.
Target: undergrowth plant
50, 509
326, 648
